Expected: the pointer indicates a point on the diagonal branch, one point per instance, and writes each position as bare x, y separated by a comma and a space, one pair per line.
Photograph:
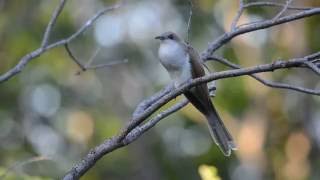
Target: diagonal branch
222, 40
283, 10
313, 67
88, 65
189, 19
52, 22
298, 62
36, 53
237, 17
265, 81
83, 68
274, 4
133, 129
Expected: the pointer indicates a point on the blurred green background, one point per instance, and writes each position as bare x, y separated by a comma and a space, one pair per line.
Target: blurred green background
50, 117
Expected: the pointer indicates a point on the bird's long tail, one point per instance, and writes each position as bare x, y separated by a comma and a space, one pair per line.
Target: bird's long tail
219, 133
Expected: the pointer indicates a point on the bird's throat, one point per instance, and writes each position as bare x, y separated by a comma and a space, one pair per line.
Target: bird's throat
176, 61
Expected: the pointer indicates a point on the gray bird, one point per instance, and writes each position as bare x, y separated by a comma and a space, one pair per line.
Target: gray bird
184, 63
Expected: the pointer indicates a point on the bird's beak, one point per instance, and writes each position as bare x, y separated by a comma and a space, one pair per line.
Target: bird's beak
159, 37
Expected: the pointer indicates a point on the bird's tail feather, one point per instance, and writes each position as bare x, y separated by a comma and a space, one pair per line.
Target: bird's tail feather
220, 134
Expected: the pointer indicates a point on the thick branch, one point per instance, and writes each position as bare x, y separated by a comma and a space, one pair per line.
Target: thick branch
133, 130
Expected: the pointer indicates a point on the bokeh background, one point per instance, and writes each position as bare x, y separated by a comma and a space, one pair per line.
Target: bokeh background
50, 117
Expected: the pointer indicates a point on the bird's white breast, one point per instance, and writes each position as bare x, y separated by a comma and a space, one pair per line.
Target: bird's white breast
176, 60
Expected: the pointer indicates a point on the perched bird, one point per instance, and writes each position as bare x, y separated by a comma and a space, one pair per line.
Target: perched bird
183, 63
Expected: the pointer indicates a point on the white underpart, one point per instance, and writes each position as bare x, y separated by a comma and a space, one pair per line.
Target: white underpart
176, 60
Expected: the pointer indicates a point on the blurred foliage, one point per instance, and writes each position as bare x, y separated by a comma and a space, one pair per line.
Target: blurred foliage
49, 111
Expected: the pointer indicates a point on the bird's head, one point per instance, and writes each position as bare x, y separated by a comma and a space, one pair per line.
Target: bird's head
168, 36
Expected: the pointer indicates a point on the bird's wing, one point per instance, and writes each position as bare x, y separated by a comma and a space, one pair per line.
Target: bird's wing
199, 95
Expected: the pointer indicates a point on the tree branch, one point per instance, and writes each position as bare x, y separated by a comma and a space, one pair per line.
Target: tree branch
189, 19
88, 65
146, 108
283, 10
83, 68
222, 40
313, 67
238, 15
273, 4
52, 22
265, 81
134, 129
36, 53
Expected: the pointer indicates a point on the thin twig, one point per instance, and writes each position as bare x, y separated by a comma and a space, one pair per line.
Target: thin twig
313, 67
251, 23
222, 40
237, 17
36, 53
83, 68
88, 65
267, 82
273, 4
52, 22
94, 55
189, 20
107, 64
283, 10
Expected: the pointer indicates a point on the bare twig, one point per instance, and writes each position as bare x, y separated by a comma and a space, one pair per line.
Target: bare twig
267, 82
273, 4
36, 53
283, 10
88, 65
237, 17
94, 55
83, 68
189, 20
313, 67
52, 22
106, 64
263, 25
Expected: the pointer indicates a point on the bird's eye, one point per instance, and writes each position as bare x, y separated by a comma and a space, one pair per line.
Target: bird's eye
170, 36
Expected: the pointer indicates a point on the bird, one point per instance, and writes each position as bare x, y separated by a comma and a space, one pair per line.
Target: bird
183, 64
